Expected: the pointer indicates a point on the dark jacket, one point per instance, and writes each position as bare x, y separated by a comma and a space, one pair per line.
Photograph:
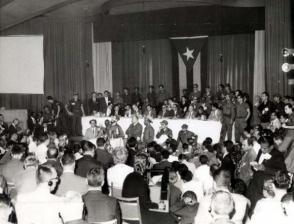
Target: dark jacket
100, 207
84, 164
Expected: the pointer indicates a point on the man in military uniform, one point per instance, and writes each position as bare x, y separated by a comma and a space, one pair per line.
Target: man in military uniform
164, 130
242, 115
229, 114
75, 110
185, 134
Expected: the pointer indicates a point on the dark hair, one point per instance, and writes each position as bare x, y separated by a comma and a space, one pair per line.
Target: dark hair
95, 176
100, 142
266, 93
229, 145
239, 186
203, 159
222, 177
68, 158
182, 157
266, 139
49, 98
88, 146
165, 154
186, 175
43, 172
289, 105
132, 142
282, 180
17, 150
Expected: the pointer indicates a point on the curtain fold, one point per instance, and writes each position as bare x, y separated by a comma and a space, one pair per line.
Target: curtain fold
67, 61
230, 59
141, 63
102, 66
278, 36
259, 63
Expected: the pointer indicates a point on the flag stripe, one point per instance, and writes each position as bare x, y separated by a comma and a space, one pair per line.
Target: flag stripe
182, 75
197, 71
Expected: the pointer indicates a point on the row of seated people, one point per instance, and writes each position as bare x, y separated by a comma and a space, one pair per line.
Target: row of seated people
246, 180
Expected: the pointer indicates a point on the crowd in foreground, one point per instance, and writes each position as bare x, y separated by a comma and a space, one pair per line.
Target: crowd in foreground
46, 178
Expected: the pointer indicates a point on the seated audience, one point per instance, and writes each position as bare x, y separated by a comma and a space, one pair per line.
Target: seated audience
13, 166
68, 180
269, 209
164, 163
222, 181
98, 206
53, 160
25, 181
117, 173
102, 155
84, 164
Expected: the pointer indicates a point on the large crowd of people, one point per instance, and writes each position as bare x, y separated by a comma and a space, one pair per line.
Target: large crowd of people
48, 175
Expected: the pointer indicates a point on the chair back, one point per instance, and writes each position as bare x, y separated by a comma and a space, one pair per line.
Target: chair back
130, 209
115, 192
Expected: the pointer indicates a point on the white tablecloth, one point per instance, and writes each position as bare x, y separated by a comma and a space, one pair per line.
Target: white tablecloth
201, 128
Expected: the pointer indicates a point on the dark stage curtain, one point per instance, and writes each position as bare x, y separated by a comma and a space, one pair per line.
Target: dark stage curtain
141, 63
230, 59
67, 59
278, 36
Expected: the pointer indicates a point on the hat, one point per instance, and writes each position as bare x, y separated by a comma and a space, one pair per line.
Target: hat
164, 122
184, 126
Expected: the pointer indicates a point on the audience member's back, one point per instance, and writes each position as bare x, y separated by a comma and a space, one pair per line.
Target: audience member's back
98, 206
88, 161
68, 180
102, 156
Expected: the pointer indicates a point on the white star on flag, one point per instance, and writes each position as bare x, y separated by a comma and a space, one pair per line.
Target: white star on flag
189, 54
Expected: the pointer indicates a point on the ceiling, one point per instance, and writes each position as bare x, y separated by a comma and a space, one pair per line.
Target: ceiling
13, 12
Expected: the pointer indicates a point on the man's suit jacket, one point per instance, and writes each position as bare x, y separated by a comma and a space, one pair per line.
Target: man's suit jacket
96, 134
103, 105
275, 163
71, 182
228, 164
84, 164
100, 207
104, 157
11, 130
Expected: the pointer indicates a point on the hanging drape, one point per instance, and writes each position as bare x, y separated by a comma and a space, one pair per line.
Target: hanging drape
102, 66
277, 36
230, 59
259, 63
67, 59
141, 63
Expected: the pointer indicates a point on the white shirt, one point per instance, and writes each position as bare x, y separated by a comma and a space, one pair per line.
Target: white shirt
203, 215
195, 186
269, 211
202, 173
41, 153
117, 174
172, 158
191, 166
38, 207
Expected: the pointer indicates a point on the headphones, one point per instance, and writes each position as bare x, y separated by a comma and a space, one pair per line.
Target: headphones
50, 183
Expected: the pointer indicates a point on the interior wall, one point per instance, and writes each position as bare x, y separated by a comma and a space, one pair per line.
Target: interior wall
67, 59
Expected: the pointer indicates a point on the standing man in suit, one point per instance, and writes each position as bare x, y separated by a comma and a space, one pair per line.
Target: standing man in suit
98, 206
75, 110
151, 96
68, 180
88, 161
105, 101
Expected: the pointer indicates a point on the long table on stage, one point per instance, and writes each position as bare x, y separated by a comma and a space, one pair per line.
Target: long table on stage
201, 128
